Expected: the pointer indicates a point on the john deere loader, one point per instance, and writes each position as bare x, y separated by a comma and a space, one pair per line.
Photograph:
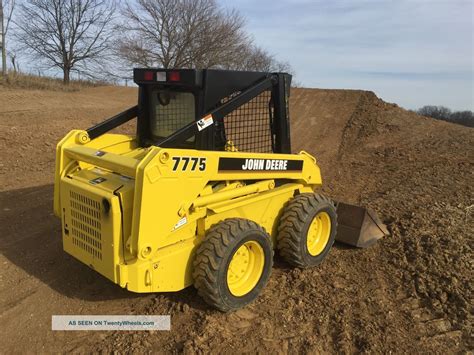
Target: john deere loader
202, 194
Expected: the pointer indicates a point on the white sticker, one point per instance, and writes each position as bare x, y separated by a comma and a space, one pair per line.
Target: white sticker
180, 223
204, 122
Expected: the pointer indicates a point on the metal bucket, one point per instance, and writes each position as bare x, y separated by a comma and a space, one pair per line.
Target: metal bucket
358, 226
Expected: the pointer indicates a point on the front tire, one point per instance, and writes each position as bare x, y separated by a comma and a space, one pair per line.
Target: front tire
233, 264
307, 230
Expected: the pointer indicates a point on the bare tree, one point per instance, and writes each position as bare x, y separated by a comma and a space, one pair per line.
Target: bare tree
70, 35
6, 12
438, 112
256, 58
465, 118
14, 59
187, 34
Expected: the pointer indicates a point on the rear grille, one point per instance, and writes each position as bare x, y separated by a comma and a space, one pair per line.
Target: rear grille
86, 227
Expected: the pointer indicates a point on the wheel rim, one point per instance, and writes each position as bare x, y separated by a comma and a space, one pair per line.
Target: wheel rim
318, 233
245, 268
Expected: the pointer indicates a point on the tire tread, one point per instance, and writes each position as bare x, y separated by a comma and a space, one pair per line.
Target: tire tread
292, 222
210, 251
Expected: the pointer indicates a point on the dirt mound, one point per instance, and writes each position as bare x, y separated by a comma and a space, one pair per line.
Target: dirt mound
417, 172
410, 292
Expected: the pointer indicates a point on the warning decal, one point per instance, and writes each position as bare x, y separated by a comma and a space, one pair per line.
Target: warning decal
204, 122
97, 180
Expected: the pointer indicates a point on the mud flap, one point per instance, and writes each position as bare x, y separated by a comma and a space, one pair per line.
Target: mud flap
358, 226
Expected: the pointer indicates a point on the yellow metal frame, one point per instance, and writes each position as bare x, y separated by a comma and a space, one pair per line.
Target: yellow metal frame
157, 216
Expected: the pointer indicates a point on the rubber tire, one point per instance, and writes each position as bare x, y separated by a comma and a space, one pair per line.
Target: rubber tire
293, 229
214, 255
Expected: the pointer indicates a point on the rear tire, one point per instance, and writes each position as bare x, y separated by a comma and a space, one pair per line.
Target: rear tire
307, 230
233, 264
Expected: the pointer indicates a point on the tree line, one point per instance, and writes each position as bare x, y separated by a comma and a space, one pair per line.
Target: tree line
465, 118
106, 38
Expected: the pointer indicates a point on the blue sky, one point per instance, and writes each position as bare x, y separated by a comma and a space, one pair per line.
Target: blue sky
411, 52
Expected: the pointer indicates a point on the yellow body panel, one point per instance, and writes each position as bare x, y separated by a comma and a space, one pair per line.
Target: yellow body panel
141, 212
89, 228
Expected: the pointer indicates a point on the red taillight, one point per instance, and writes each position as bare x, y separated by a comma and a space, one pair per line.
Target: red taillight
148, 75
174, 76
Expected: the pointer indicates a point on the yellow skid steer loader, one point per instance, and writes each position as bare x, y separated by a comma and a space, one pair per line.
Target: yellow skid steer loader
203, 193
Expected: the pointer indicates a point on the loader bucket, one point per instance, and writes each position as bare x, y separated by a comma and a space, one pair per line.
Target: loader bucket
358, 226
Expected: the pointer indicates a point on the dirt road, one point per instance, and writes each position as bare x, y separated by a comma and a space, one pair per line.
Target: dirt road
410, 292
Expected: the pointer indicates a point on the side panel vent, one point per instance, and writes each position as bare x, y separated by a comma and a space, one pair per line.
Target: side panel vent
86, 223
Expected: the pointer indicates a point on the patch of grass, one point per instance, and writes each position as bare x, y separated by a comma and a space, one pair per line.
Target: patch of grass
34, 82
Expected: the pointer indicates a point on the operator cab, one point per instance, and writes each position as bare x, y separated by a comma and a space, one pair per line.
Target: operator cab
213, 109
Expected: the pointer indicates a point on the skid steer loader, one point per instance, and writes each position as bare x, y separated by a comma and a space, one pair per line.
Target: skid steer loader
202, 194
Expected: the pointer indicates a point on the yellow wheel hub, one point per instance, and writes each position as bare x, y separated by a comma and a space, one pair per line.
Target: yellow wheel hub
318, 233
245, 268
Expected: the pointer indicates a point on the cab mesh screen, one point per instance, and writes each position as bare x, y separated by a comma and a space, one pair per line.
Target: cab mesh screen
171, 111
249, 127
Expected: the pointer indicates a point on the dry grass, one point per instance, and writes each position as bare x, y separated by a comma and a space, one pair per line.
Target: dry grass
34, 82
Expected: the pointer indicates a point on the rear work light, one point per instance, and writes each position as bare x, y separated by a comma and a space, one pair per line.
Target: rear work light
174, 76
